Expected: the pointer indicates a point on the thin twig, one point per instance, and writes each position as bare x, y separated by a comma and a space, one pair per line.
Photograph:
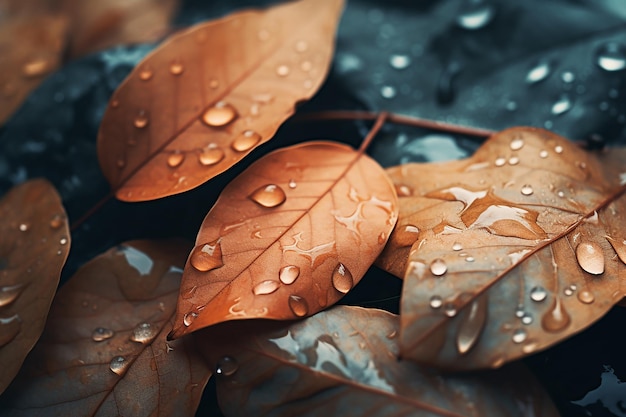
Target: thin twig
380, 121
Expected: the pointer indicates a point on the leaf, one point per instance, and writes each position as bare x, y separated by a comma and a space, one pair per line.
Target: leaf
287, 238
343, 362
25, 62
34, 246
104, 351
208, 96
519, 247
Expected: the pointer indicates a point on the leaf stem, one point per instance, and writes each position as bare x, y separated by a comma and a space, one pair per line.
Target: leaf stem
380, 121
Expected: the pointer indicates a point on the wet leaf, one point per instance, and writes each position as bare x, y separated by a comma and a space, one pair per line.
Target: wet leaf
287, 238
518, 248
343, 362
210, 95
104, 352
34, 246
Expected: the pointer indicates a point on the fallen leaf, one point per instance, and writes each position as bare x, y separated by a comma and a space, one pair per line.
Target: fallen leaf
104, 352
510, 251
208, 96
343, 361
34, 246
287, 238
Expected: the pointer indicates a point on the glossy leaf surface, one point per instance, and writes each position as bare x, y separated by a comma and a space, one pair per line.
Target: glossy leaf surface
287, 238
208, 96
343, 362
518, 248
34, 245
104, 352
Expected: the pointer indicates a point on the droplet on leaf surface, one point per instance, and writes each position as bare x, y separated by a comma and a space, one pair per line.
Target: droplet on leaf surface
118, 365
207, 256
288, 274
538, 294
265, 287
210, 156
438, 267
219, 115
270, 195
226, 366
342, 279
611, 56
143, 333
298, 305
246, 141
101, 334
590, 257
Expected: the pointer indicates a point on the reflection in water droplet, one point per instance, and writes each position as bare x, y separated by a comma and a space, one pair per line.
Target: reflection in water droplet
101, 334
436, 301
143, 333
456, 246
538, 294
176, 68
590, 257
175, 159
210, 155
342, 279
189, 318
562, 105
56, 221
219, 115
399, 61
476, 14
438, 267
141, 120
517, 144
118, 364
557, 319
519, 336
288, 274
538, 72
207, 256
472, 326
246, 141
586, 297
226, 366
611, 56
269, 196
298, 306
527, 189
265, 287
450, 310
9, 293
282, 70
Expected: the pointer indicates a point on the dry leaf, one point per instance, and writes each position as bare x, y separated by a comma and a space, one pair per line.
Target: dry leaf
519, 247
342, 362
287, 238
208, 96
104, 352
34, 246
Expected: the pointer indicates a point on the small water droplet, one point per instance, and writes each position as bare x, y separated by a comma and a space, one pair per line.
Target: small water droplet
618, 247
388, 91
207, 256
469, 259
101, 334
175, 159
306, 66
519, 312
141, 120
302, 46
517, 144
527, 319
392, 335
403, 190
269, 196
36, 67
436, 301
145, 74
399, 62
538, 72
382, 238
176, 68
519, 336
282, 70
558, 149
438, 267
114, 104
265, 287
219, 115
538, 294
568, 77
611, 56
189, 318
288, 274
514, 160
475, 14
246, 141
527, 189
590, 257
143, 333
118, 364
63, 241
24, 227
210, 155
214, 84
298, 306
56, 221
456, 246
292, 184
450, 310
586, 297
342, 279
226, 366
562, 105
568, 291
543, 154
8, 293
500, 161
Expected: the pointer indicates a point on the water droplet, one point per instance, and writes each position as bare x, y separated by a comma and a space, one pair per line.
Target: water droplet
292, 184
568, 291
543, 154
382, 238
306, 66
282, 70
219, 115
514, 160
101, 334
207, 256
226, 366
557, 318
214, 84
403, 190
469, 259
298, 305
472, 326
590, 257
527, 189
611, 56
388, 91
189, 318
176, 68
143, 333
36, 67
118, 365
175, 159
342, 279
406, 236
618, 247
269, 196
145, 74
475, 14
210, 155
538, 72
246, 141
500, 161
8, 293
558, 149
538, 294
456, 246
115, 104
562, 105
288, 274
399, 61
63, 241
24, 227
302, 46
265, 287
438, 267
141, 120
527, 319
436, 301
568, 77
519, 311
586, 297
450, 310
519, 336
517, 144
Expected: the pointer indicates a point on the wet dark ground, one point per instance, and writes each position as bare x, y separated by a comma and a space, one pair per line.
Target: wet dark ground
491, 64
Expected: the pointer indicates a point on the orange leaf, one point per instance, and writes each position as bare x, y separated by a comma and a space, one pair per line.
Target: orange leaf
104, 351
207, 97
519, 247
33, 249
287, 238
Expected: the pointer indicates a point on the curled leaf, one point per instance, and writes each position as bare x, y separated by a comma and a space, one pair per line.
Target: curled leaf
210, 95
343, 362
519, 247
287, 238
104, 352
34, 246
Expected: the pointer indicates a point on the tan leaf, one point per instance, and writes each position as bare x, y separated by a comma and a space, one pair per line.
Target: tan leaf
207, 97
343, 362
519, 247
34, 245
287, 238
103, 352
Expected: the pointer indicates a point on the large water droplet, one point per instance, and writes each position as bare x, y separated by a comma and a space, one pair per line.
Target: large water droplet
269, 196
9, 293
538, 294
9, 329
436, 301
438, 267
472, 326
562, 105
288, 274
207, 256
219, 115
143, 333
189, 318
475, 14
538, 72
586, 297
590, 257
118, 365
557, 318
226, 366
342, 279
265, 287
175, 159
406, 236
611, 56
101, 334
399, 61
298, 306
246, 141
210, 155
527, 189
519, 336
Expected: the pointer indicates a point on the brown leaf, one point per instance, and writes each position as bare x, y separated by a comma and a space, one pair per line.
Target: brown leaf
34, 246
104, 350
342, 362
287, 238
207, 97
519, 247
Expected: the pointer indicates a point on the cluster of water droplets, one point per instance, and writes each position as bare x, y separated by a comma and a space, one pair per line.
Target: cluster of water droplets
143, 333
